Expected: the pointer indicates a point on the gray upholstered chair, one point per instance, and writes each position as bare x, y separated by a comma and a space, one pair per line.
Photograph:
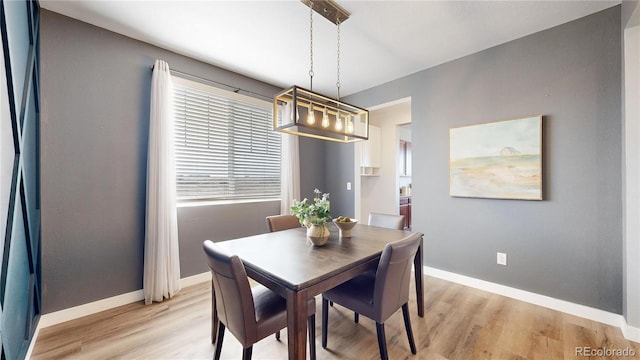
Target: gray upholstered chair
282, 222
378, 297
386, 221
279, 223
250, 314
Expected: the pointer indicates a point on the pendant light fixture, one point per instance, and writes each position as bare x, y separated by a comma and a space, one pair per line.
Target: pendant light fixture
338, 121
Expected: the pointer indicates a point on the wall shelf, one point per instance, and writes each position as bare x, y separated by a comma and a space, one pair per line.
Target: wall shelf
369, 171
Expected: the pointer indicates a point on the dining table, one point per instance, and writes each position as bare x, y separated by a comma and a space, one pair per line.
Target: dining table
287, 263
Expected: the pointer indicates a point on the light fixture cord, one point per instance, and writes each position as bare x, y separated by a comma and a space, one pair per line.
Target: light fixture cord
311, 45
338, 82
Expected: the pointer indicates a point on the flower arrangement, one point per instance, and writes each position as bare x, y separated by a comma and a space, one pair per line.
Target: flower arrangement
316, 213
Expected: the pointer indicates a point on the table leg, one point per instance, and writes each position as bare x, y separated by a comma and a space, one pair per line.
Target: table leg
417, 264
296, 324
214, 315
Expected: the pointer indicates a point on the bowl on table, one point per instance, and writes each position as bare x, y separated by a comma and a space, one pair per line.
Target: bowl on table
345, 226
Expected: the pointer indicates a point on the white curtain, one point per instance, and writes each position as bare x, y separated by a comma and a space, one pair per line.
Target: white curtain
290, 172
161, 257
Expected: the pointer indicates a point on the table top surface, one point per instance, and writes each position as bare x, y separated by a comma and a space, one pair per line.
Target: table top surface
290, 259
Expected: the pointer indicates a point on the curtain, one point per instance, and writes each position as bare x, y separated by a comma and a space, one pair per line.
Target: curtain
161, 257
290, 172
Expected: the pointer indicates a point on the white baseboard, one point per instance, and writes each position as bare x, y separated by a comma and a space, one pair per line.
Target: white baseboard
630, 332
195, 279
76, 312
79, 311
617, 320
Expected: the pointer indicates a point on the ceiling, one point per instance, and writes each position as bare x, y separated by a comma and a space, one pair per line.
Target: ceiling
380, 42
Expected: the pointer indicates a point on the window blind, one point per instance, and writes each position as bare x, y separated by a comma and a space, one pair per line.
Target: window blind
225, 146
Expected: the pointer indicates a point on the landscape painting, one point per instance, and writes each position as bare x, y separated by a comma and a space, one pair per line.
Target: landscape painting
499, 160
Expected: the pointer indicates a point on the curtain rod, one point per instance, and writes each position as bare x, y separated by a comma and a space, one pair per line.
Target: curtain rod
235, 89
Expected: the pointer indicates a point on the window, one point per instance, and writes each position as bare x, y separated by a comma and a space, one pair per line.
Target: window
225, 146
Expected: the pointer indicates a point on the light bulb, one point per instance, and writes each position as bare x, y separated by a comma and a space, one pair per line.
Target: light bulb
338, 122
349, 124
311, 119
325, 118
293, 115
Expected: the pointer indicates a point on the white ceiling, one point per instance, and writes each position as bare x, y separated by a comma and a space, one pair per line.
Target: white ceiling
382, 41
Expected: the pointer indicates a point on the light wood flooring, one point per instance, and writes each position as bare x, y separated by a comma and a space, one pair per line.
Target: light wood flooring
459, 323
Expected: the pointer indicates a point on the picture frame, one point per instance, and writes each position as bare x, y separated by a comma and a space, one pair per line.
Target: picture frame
497, 160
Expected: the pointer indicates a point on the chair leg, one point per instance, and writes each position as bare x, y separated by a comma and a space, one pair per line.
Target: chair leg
356, 317
407, 325
382, 341
278, 335
325, 321
214, 315
311, 323
219, 341
246, 353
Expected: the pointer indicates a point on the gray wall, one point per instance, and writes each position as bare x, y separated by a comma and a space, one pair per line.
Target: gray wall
339, 171
568, 246
217, 223
629, 19
95, 113
312, 170
327, 166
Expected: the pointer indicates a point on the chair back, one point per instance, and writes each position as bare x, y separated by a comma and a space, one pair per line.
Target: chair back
386, 221
234, 301
391, 289
282, 222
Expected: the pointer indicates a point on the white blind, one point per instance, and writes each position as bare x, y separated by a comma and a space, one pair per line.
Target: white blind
225, 145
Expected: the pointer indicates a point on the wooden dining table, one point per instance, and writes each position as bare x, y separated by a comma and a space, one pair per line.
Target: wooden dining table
287, 263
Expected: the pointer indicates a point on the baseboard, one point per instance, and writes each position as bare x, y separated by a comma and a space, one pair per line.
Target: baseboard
75, 312
33, 343
79, 311
605, 317
195, 279
630, 332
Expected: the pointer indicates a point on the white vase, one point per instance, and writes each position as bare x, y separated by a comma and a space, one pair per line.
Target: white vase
318, 234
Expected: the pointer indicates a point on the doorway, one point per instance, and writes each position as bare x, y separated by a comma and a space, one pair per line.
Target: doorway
378, 189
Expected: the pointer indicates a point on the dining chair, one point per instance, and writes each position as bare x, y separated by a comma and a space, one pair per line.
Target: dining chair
279, 223
251, 314
386, 220
380, 296
282, 222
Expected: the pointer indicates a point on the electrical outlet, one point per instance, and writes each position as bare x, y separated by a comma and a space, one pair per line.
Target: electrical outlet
348, 185
502, 259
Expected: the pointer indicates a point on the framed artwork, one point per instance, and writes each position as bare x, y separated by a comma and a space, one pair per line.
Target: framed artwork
498, 160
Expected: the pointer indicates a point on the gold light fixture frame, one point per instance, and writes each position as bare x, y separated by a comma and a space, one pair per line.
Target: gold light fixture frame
331, 119
354, 120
